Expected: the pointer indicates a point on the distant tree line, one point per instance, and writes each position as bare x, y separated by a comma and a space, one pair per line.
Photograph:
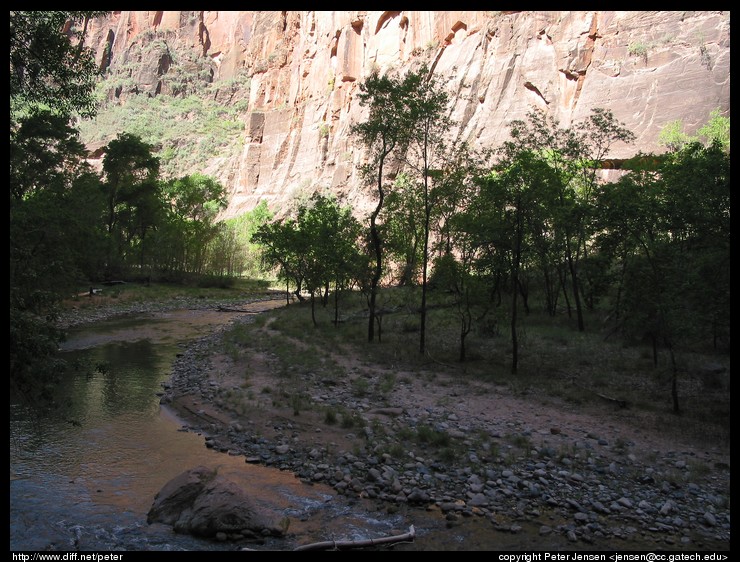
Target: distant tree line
528, 225
70, 225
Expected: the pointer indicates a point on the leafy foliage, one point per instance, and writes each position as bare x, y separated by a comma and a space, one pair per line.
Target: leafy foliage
45, 153
405, 114
671, 231
716, 129
315, 249
48, 66
242, 229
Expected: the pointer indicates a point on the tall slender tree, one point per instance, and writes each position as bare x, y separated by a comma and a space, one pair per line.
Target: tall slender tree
428, 127
382, 133
132, 190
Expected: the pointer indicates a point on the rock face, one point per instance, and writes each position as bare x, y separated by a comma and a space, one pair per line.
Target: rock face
648, 68
200, 502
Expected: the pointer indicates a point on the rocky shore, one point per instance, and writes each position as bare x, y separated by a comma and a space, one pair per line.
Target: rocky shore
517, 462
94, 312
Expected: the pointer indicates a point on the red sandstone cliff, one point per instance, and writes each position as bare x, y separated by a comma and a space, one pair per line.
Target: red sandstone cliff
649, 68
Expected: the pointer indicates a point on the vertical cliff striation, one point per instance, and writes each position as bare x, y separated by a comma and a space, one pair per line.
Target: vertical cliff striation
304, 70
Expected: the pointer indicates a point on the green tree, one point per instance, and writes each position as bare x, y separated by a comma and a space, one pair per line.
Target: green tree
54, 236
194, 203
717, 128
383, 133
134, 203
574, 154
283, 249
456, 184
454, 233
49, 73
244, 227
509, 200
457, 277
315, 249
428, 126
332, 233
45, 154
401, 228
49, 62
196, 197
226, 254
671, 230
672, 135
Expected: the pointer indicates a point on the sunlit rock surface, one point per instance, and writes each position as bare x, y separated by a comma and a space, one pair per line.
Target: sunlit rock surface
648, 68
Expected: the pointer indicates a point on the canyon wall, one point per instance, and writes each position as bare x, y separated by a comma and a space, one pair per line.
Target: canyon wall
305, 68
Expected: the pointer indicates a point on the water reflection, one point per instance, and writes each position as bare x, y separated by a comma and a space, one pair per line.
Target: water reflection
85, 476
130, 374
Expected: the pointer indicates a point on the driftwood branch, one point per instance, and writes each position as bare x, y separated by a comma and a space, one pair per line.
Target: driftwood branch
616, 401
619, 402
339, 545
227, 309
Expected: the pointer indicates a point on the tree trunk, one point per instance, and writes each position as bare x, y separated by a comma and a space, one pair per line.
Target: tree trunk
515, 292
336, 304
377, 246
524, 291
563, 285
313, 308
674, 380
465, 326
423, 315
576, 292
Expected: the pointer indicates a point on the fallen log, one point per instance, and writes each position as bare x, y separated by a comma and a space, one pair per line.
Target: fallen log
227, 309
339, 545
617, 401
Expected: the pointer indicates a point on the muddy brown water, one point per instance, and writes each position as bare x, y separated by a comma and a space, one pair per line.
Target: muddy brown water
85, 477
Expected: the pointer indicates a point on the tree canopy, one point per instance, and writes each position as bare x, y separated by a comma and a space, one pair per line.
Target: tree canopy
50, 65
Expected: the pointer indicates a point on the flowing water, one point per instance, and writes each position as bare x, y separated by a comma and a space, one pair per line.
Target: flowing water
85, 477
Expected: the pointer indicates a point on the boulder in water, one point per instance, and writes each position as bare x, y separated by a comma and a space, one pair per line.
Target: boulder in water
202, 503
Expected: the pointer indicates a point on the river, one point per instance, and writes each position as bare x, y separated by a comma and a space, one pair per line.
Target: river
85, 477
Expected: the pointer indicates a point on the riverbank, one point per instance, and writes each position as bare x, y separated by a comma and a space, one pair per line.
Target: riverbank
86, 308
454, 455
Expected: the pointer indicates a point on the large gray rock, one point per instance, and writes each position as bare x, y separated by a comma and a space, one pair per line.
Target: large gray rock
202, 503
